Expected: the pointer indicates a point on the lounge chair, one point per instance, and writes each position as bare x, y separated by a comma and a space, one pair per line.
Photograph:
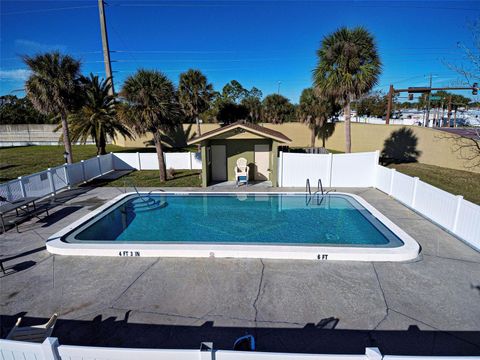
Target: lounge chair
35, 333
241, 171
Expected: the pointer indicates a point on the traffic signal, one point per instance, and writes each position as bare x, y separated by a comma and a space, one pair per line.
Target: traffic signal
410, 96
475, 89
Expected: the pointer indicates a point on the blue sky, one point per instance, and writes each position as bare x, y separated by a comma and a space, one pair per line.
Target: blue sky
258, 43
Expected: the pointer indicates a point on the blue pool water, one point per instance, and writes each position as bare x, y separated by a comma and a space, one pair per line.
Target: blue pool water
337, 220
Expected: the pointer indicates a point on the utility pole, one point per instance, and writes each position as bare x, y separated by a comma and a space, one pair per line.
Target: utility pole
428, 103
389, 104
278, 89
106, 50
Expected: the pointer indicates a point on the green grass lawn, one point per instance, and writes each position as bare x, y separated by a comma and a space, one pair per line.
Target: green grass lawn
150, 178
457, 182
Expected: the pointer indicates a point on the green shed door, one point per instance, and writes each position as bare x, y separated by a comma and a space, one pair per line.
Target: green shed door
219, 163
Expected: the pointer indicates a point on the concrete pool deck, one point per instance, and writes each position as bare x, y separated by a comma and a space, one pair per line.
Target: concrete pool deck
429, 306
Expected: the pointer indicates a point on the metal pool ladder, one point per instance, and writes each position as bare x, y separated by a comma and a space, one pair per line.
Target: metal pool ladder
319, 191
147, 199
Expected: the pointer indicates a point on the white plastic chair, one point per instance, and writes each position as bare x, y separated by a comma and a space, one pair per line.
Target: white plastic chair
35, 333
241, 171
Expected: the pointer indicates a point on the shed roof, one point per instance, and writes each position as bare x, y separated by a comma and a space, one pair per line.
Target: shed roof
250, 127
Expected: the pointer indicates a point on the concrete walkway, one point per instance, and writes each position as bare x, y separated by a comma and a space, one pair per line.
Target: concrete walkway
424, 307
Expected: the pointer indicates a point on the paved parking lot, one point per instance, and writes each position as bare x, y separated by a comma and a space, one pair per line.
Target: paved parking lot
427, 306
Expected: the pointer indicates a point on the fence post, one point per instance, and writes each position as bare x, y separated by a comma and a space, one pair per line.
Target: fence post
99, 164
414, 195
8, 195
50, 349
67, 177
390, 192
83, 171
50, 180
280, 169
329, 170
112, 160
191, 165
139, 161
22, 187
375, 167
457, 213
206, 351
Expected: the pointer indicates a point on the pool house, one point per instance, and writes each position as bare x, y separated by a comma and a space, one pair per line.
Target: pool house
221, 149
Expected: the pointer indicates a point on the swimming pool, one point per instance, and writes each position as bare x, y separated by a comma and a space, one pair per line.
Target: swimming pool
336, 226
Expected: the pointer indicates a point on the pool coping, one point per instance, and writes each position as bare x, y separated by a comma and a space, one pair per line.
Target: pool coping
408, 251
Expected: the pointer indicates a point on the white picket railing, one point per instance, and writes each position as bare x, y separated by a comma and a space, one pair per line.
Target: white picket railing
50, 349
50, 181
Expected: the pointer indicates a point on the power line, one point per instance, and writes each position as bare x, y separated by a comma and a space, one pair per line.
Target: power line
48, 9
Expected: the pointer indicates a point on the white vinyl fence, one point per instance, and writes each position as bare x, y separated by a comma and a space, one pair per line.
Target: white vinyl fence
149, 161
339, 170
50, 181
453, 212
50, 349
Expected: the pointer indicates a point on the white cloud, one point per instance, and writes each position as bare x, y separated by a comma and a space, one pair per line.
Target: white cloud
15, 74
29, 46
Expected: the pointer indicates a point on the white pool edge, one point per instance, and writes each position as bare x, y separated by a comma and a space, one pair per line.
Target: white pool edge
408, 251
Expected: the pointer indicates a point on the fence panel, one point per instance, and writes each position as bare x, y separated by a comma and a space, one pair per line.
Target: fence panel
59, 178
196, 159
68, 352
178, 160
438, 205
244, 355
11, 190
468, 223
37, 184
14, 350
403, 186
92, 168
354, 170
149, 161
75, 173
125, 161
384, 178
297, 168
106, 163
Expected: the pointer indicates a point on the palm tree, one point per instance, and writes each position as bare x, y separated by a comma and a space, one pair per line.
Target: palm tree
97, 118
194, 94
151, 106
314, 111
52, 88
277, 109
348, 67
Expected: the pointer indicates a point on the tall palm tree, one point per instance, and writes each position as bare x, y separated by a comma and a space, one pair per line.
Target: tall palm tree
314, 110
97, 118
194, 94
348, 67
52, 88
151, 106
